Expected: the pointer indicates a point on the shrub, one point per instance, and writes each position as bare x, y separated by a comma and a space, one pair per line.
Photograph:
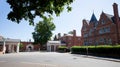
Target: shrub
102, 50
62, 49
78, 49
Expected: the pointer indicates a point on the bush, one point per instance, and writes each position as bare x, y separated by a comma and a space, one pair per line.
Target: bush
78, 49
63, 49
110, 51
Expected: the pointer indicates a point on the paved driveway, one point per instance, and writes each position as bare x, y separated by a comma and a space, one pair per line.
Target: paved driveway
53, 59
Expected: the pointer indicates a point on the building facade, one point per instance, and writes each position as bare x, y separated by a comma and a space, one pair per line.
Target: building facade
53, 45
104, 31
8, 45
70, 40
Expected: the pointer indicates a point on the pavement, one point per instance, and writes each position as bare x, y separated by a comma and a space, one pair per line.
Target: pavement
54, 59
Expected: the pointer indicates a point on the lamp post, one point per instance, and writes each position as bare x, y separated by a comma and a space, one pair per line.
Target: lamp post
87, 50
4, 48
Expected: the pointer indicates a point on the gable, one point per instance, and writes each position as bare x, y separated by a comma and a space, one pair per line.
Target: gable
85, 25
105, 19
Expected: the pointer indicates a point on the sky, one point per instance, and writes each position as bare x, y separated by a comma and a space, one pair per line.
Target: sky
81, 9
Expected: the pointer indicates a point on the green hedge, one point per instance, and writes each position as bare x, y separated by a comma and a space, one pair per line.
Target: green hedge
78, 50
63, 49
110, 51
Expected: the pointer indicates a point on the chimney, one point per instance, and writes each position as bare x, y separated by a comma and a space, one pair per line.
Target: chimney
117, 21
74, 32
74, 37
59, 35
116, 14
65, 34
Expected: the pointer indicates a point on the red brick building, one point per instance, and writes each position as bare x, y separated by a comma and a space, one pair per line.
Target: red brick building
29, 46
106, 30
70, 39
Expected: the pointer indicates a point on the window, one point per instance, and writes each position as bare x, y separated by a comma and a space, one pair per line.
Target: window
90, 32
104, 30
105, 40
70, 38
78, 38
102, 21
69, 42
85, 35
101, 31
90, 40
84, 28
101, 40
64, 38
109, 41
107, 29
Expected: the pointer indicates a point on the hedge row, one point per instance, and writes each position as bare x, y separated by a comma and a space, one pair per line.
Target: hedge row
109, 51
63, 49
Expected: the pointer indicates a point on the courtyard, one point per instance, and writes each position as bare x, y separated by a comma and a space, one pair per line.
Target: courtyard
54, 59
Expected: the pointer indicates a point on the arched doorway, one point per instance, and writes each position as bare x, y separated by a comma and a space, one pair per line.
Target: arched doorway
29, 47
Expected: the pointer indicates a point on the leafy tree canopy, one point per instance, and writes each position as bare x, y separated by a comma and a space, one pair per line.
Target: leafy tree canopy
43, 31
70, 32
21, 45
29, 9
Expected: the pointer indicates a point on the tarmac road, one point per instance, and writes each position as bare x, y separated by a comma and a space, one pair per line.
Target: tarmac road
54, 59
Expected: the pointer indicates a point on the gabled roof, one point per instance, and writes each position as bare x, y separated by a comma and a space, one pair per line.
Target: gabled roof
86, 21
110, 17
93, 18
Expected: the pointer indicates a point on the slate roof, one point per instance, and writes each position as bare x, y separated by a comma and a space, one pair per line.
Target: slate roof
93, 18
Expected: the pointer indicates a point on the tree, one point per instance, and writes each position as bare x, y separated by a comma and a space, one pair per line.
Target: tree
70, 32
21, 46
43, 31
29, 9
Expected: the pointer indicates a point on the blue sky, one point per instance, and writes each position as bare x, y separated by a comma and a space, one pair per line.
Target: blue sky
81, 9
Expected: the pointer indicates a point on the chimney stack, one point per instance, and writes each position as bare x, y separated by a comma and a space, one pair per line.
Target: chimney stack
74, 37
59, 35
65, 34
116, 14
74, 32
117, 21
